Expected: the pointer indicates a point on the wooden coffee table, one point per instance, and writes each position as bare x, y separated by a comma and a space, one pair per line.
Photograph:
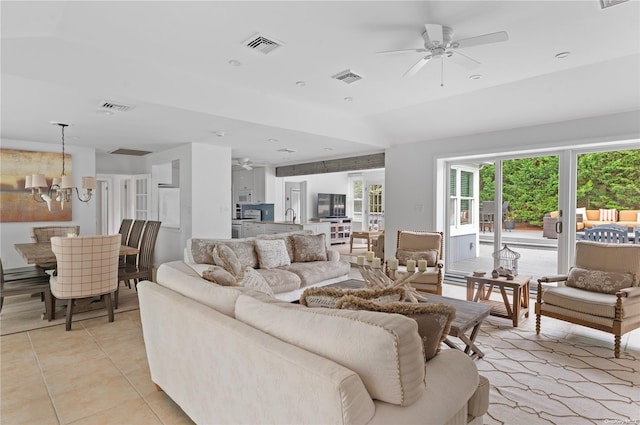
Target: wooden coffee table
465, 327
520, 296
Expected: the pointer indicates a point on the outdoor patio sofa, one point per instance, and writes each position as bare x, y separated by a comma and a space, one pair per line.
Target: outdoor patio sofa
590, 219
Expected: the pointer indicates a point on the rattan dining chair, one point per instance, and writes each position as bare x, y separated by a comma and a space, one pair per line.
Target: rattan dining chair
87, 267
142, 269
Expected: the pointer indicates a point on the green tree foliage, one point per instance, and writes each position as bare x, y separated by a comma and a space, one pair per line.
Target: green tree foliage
605, 180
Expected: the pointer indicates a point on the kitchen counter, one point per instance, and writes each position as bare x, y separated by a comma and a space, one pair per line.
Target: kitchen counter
252, 228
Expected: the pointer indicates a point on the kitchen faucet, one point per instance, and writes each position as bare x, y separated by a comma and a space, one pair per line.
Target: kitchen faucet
293, 214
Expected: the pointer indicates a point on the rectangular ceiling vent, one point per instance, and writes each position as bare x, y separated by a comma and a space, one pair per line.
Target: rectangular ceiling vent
116, 107
608, 3
261, 43
132, 152
347, 76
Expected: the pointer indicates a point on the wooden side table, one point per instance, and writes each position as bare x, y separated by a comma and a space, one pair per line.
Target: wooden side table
510, 310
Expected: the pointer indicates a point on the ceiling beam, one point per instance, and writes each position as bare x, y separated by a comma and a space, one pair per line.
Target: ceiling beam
365, 162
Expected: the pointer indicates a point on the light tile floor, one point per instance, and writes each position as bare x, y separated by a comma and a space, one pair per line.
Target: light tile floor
97, 373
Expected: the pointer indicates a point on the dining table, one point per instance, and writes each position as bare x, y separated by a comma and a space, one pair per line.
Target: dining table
41, 252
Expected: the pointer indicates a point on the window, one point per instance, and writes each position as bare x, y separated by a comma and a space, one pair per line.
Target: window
461, 197
358, 195
376, 217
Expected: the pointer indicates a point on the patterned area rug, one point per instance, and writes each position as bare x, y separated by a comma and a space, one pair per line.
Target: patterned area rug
566, 375
24, 313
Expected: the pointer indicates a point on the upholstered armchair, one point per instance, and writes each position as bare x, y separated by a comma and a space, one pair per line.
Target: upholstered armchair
601, 291
421, 245
87, 267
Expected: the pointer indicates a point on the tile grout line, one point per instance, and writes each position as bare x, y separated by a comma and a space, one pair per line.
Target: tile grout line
123, 375
42, 377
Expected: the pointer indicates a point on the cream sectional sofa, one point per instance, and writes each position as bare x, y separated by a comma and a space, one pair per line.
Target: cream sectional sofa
287, 282
234, 355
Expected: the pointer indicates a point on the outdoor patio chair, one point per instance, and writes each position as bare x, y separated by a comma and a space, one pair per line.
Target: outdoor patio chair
606, 234
87, 267
417, 245
601, 291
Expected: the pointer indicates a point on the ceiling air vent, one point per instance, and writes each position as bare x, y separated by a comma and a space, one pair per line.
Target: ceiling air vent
608, 3
347, 76
261, 43
132, 152
117, 107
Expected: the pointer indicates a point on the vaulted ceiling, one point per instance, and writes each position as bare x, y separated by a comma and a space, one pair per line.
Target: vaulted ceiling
184, 68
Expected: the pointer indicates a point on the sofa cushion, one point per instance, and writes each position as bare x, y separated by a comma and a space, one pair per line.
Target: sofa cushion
385, 350
309, 248
200, 250
286, 237
589, 303
599, 281
430, 255
434, 320
317, 271
280, 280
272, 253
328, 297
219, 275
227, 259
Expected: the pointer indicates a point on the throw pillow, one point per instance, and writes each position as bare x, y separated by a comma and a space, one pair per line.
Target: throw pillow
226, 258
250, 278
309, 248
430, 255
219, 275
638, 217
272, 253
434, 320
328, 297
607, 214
582, 211
599, 281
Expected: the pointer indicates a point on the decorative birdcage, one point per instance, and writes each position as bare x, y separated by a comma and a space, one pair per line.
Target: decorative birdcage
506, 260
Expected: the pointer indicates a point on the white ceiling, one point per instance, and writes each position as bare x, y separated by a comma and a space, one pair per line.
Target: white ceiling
170, 59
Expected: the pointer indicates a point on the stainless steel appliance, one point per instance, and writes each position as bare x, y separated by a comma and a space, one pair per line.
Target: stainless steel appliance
252, 214
236, 228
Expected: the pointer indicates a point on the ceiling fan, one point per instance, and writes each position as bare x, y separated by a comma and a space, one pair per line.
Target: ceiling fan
245, 163
438, 44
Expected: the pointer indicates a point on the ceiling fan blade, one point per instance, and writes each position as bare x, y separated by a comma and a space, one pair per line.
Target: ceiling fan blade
417, 67
495, 37
434, 33
464, 60
394, 52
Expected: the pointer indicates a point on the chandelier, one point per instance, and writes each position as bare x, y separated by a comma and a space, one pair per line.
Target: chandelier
61, 188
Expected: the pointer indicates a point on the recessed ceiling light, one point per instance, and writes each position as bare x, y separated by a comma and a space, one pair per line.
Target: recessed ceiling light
219, 133
234, 62
328, 149
562, 55
105, 112
348, 99
272, 140
475, 77
300, 83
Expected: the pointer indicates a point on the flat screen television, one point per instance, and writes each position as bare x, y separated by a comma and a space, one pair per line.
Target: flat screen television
332, 205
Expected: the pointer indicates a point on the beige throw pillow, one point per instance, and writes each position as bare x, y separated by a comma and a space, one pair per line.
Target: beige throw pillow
226, 258
434, 320
250, 278
219, 275
599, 281
272, 253
309, 248
430, 255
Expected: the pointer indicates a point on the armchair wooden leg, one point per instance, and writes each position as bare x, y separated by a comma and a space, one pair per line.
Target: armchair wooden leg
537, 324
69, 312
107, 301
616, 345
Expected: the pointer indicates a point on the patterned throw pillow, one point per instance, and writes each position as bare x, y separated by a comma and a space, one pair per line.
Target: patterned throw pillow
272, 253
226, 258
250, 278
434, 320
328, 297
599, 281
430, 255
309, 248
219, 275
607, 215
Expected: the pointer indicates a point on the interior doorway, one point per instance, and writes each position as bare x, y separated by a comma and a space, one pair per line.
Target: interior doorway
295, 203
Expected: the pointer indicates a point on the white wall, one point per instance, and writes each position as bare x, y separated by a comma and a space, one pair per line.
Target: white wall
410, 169
83, 162
120, 164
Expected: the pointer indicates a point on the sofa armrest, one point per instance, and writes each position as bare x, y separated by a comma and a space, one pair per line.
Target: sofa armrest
629, 292
558, 278
333, 255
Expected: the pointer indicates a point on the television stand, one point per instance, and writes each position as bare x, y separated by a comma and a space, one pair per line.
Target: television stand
340, 229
